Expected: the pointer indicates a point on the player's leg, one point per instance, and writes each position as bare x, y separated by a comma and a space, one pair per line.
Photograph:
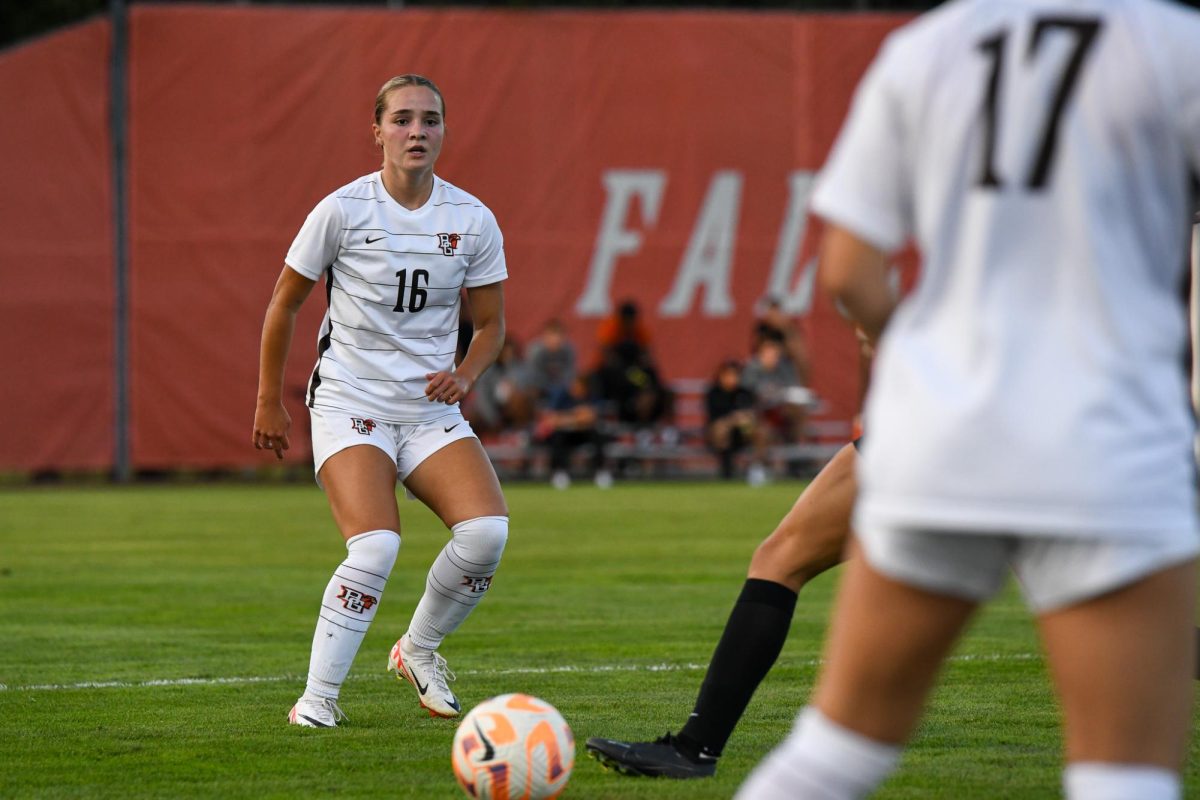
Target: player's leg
458, 484
1122, 663
887, 640
809, 540
360, 483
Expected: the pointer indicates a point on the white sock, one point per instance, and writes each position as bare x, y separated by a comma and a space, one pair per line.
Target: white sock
821, 760
458, 579
349, 605
1093, 780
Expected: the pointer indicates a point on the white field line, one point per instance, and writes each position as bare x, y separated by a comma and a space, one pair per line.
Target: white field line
594, 669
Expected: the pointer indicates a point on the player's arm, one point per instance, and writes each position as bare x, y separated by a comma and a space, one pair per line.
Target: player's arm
271, 419
487, 312
855, 273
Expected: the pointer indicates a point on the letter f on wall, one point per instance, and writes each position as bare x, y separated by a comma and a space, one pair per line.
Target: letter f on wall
614, 240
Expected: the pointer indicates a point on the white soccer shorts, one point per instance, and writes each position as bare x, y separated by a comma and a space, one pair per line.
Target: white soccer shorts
406, 444
1054, 572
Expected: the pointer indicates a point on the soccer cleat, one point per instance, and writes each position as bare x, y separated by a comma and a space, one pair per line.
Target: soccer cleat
427, 671
320, 712
658, 759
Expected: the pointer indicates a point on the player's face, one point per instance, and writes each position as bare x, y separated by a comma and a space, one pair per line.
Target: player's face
411, 129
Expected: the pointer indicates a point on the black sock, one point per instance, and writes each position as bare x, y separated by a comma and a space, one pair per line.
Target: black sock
753, 637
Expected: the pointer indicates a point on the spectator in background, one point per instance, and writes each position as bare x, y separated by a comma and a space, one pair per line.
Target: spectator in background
626, 376
780, 397
551, 360
773, 324
625, 332
732, 421
568, 421
632, 391
503, 397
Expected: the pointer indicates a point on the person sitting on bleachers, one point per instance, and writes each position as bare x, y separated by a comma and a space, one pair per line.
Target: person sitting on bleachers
781, 398
732, 422
502, 399
569, 419
551, 360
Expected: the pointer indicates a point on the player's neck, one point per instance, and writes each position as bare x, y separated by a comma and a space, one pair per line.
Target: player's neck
409, 188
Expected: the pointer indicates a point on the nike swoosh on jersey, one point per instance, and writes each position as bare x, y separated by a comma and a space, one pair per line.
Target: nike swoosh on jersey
376, 239
452, 427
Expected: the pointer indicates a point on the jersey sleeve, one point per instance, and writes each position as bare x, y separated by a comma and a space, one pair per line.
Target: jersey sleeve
1189, 100
864, 185
487, 262
317, 244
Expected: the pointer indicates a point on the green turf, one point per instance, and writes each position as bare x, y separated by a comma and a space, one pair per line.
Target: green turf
597, 591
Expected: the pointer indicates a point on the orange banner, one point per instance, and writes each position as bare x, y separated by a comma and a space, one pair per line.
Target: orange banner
56, 274
663, 157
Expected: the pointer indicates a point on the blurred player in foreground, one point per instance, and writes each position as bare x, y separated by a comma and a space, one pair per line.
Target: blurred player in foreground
395, 247
1029, 399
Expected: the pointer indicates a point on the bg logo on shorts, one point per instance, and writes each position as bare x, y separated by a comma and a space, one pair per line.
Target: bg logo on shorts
477, 584
448, 242
356, 601
363, 426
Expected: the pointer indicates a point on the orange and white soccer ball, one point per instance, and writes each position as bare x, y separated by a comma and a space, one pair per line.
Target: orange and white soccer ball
513, 747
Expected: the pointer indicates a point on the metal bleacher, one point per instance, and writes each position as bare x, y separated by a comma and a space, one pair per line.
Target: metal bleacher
672, 451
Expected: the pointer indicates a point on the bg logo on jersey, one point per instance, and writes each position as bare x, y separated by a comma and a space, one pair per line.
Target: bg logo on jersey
363, 426
448, 242
356, 601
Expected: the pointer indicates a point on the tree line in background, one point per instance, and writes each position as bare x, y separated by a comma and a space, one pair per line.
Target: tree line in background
23, 20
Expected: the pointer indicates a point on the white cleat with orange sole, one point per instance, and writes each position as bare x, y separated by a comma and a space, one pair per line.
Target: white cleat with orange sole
318, 712
427, 671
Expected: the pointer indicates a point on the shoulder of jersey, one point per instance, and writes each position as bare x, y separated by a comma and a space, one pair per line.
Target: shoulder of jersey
446, 192
363, 188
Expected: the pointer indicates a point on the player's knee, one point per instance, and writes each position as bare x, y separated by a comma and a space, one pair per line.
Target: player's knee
795, 554
375, 548
483, 538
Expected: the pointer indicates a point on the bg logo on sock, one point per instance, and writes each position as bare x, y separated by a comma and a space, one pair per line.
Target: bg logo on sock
356, 601
477, 584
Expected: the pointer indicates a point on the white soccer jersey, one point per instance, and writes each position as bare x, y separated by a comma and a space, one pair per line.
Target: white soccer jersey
392, 279
1039, 153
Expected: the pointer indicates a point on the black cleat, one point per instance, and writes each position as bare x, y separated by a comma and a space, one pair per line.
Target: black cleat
658, 759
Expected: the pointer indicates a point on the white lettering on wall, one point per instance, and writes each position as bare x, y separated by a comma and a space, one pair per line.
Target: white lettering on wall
795, 295
614, 240
708, 260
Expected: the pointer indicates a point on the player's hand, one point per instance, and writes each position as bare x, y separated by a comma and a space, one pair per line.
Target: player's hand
271, 424
446, 387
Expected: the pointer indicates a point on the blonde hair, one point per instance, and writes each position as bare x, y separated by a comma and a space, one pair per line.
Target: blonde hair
399, 82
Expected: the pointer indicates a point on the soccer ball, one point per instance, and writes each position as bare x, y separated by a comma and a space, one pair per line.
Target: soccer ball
513, 746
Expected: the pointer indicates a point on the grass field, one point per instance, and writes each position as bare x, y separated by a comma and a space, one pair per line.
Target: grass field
154, 639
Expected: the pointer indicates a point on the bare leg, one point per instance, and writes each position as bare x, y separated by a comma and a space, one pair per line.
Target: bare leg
812, 537
1122, 664
887, 642
458, 483
360, 483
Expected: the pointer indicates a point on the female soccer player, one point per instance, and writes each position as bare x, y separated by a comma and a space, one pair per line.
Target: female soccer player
1028, 402
395, 247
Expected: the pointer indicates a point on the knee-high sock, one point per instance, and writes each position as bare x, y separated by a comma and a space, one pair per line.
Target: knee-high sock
753, 637
1094, 780
458, 579
821, 760
347, 608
